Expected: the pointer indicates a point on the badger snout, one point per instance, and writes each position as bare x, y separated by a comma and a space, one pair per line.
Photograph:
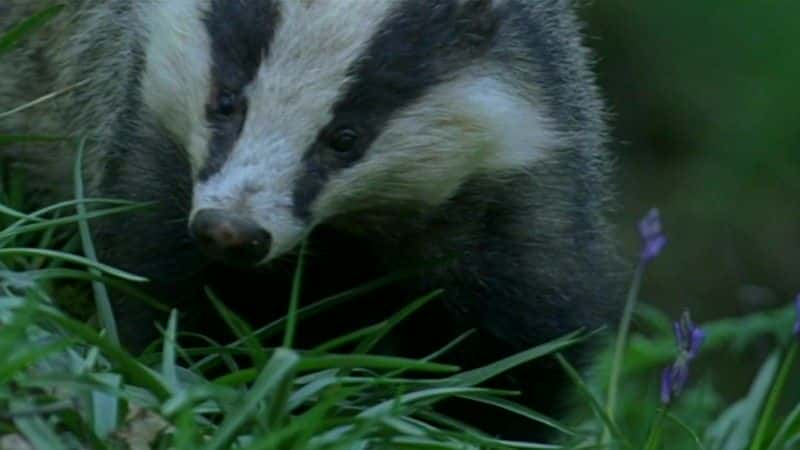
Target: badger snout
230, 238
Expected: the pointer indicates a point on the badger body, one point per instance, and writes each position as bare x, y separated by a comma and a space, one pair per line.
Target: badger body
463, 138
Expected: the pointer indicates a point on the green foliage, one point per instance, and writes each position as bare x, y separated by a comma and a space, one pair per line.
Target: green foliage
27, 27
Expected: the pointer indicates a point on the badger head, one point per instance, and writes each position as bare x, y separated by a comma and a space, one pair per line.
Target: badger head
295, 113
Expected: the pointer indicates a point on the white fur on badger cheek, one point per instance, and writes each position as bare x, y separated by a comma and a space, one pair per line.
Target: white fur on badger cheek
291, 99
177, 76
470, 126
518, 132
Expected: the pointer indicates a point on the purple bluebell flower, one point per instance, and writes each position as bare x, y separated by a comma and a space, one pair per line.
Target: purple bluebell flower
689, 338
653, 237
797, 322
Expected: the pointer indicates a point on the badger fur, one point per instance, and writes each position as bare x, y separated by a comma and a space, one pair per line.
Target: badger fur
400, 131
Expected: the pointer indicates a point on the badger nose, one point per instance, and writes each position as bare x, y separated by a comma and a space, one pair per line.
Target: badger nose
230, 238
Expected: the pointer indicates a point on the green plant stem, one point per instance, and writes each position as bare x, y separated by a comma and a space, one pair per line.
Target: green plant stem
619, 348
654, 436
760, 436
294, 300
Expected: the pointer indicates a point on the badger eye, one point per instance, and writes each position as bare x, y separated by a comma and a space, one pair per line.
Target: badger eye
228, 103
344, 140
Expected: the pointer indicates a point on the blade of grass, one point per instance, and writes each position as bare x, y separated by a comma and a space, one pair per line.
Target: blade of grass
68, 204
11, 212
426, 396
521, 411
74, 422
168, 369
294, 300
24, 357
105, 313
789, 426
42, 99
598, 409
106, 407
39, 433
761, 436
698, 442
43, 224
127, 365
60, 256
241, 329
315, 309
348, 338
393, 321
653, 441
481, 374
332, 361
73, 274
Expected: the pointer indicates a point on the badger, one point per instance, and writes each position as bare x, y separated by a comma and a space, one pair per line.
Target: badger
465, 138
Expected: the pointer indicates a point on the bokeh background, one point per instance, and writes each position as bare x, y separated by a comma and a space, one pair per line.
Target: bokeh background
705, 98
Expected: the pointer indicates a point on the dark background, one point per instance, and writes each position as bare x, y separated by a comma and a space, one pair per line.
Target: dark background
706, 119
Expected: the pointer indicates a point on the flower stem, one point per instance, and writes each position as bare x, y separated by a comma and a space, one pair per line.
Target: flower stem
619, 348
654, 436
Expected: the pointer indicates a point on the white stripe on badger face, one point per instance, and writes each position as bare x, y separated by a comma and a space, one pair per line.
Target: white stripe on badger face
177, 76
288, 103
474, 125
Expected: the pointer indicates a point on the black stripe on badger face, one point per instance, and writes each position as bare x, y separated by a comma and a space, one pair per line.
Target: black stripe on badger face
419, 44
241, 33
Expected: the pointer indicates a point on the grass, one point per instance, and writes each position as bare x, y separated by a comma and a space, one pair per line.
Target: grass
67, 384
